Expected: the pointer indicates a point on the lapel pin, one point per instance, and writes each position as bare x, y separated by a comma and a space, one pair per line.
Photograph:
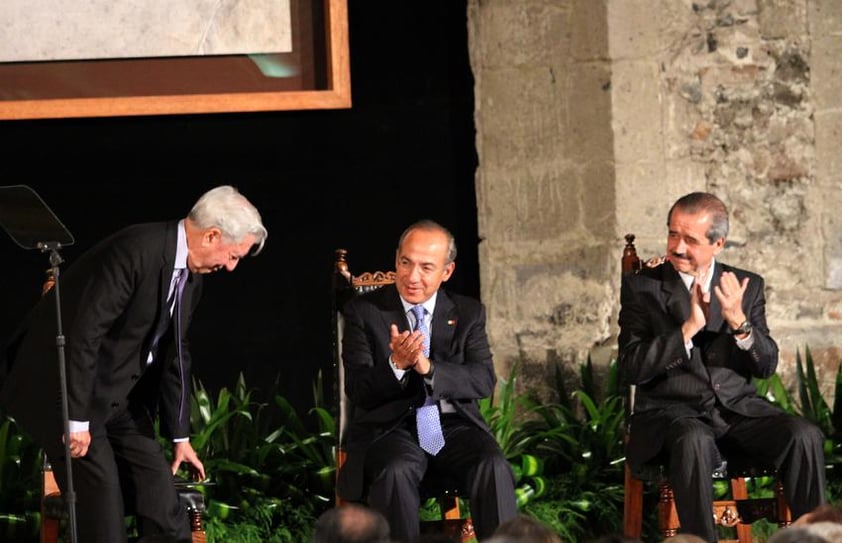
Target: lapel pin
451, 322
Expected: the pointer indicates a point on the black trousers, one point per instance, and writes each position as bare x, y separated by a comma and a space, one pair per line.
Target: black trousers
395, 466
125, 471
791, 444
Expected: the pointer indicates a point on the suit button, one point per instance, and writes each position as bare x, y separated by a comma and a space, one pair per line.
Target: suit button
135, 377
115, 405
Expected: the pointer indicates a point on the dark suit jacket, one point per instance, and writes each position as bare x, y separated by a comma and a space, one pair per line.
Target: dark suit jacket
112, 298
669, 385
459, 349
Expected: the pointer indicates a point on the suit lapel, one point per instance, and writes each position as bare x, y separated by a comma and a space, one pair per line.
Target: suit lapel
676, 296
444, 324
393, 312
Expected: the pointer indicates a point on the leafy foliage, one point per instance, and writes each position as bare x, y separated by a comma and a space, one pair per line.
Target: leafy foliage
270, 482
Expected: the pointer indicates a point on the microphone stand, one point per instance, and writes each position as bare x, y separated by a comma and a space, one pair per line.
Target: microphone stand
69, 493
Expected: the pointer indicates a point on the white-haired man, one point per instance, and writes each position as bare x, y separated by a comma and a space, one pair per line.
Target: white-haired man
127, 303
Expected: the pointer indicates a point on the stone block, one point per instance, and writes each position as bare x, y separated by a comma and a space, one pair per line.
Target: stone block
828, 126
521, 34
589, 30
531, 204
598, 196
637, 112
524, 118
782, 19
634, 29
588, 92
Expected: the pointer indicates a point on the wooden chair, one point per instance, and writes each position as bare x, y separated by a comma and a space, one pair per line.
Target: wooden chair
739, 512
446, 492
54, 510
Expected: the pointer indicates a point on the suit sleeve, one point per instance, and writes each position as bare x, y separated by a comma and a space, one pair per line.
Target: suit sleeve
761, 359
468, 372
643, 354
106, 294
369, 380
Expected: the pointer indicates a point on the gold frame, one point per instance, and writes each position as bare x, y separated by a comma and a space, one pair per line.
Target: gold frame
337, 95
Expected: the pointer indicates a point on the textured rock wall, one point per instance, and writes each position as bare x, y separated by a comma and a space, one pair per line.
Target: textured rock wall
593, 116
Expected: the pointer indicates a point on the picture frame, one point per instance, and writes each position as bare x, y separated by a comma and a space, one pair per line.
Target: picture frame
315, 75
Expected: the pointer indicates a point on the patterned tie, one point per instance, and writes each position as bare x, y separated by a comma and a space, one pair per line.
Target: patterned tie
430, 436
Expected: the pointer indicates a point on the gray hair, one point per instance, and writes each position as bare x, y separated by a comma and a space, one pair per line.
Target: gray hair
697, 202
432, 226
225, 208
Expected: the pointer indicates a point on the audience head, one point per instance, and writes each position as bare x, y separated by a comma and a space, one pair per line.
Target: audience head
684, 538
826, 512
796, 534
525, 529
435, 538
616, 538
351, 523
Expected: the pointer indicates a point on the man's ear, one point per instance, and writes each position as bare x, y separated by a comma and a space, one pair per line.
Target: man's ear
448, 271
718, 246
211, 236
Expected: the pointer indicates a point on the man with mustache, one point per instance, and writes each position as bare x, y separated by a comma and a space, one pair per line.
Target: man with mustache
127, 303
693, 334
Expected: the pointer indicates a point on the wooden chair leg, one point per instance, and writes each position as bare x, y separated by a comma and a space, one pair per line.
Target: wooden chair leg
784, 514
197, 530
49, 526
449, 506
49, 529
667, 515
632, 505
740, 492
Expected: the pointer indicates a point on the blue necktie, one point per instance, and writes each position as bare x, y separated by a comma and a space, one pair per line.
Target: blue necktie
430, 436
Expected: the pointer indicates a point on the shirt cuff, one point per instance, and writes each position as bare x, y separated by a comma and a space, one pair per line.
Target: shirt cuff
399, 373
746, 342
79, 426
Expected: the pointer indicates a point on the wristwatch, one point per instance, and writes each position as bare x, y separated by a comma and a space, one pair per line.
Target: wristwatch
744, 328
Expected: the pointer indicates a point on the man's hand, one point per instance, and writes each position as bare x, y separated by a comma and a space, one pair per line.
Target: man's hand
730, 292
406, 347
79, 443
183, 452
699, 305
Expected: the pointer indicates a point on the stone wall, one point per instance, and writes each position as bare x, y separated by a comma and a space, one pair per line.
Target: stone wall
593, 116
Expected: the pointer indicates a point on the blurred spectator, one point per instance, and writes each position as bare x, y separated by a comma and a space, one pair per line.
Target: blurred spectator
795, 534
525, 529
351, 523
684, 538
822, 513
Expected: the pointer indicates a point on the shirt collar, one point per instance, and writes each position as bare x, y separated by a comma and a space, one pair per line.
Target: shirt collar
429, 305
688, 279
181, 246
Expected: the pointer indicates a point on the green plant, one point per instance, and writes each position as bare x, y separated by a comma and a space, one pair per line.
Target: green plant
509, 421
20, 470
271, 479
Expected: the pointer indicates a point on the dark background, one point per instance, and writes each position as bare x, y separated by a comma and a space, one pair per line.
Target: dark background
321, 179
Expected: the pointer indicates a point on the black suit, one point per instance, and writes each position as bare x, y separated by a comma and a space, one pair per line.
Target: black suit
684, 405
112, 299
384, 464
